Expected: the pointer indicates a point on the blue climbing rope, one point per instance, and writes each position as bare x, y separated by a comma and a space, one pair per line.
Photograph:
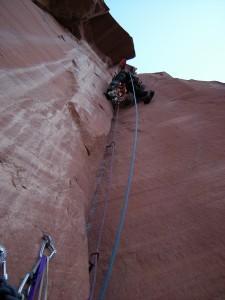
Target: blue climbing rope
116, 243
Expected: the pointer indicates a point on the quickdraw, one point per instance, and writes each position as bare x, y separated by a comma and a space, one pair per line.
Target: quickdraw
36, 276
92, 264
34, 279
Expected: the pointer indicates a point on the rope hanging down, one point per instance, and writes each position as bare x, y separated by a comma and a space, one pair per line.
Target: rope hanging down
113, 255
96, 253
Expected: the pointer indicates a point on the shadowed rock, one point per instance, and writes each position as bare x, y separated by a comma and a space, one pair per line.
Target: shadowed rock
91, 20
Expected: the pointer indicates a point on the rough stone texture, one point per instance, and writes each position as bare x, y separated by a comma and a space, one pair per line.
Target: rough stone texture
54, 121
173, 238
91, 20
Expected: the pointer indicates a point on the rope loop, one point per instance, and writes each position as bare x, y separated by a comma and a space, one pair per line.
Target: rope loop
7, 291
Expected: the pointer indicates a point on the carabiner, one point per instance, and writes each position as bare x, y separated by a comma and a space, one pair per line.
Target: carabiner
47, 244
26, 278
3, 255
31, 276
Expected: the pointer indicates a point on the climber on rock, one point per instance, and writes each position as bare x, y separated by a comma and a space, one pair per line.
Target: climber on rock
122, 84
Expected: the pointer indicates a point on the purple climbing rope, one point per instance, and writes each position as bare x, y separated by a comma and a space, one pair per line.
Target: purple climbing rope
105, 206
40, 273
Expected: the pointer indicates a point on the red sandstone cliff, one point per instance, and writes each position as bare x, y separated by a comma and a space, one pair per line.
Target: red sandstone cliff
172, 243
54, 127
54, 121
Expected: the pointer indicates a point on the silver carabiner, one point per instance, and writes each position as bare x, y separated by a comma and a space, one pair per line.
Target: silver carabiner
23, 284
3, 255
47, 244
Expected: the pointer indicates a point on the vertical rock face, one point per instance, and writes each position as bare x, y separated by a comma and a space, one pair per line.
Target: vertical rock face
173, 237
54, 120
54, 123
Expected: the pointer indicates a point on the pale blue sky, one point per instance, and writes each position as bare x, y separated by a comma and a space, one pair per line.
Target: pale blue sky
185, 38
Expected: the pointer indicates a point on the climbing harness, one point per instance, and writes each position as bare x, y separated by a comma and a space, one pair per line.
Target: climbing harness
36, 276
116, 243
93, 263
116, 93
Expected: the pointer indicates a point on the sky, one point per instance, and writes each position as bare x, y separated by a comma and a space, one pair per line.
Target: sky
185, 38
